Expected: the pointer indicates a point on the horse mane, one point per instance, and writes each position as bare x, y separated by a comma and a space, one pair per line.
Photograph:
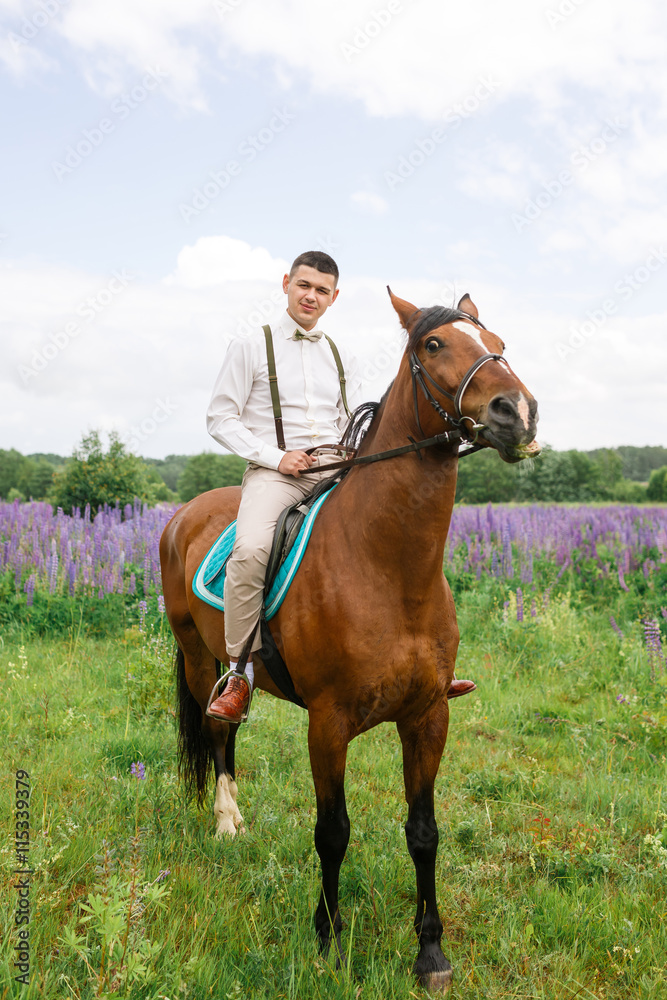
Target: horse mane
431, 318
365, 418
362, 421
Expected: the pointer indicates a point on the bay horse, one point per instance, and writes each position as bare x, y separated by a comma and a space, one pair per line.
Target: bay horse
368, 629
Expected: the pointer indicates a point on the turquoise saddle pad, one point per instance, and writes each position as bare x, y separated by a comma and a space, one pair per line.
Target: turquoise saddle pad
209, 580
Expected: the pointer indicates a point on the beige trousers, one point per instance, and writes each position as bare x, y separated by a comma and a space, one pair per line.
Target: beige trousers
266, 493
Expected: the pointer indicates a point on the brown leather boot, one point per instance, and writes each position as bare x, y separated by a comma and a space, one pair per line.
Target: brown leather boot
458, 688
233, 702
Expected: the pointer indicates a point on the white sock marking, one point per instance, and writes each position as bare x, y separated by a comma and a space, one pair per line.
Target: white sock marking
226, 812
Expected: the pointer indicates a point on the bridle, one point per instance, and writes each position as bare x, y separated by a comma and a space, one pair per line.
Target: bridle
419, 376
459, 431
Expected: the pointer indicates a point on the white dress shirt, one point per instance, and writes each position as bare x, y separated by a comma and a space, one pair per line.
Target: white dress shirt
240, 414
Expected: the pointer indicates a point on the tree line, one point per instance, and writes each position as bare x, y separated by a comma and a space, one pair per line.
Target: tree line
98, 475
566, 477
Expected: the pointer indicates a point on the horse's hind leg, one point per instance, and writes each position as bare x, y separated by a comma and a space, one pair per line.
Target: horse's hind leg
328, 754
228, 819
202, 739
423, 744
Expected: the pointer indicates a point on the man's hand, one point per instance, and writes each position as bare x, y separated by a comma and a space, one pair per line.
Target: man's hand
294, 462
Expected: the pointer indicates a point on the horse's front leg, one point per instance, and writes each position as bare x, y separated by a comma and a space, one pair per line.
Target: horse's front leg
423, 743
328, 754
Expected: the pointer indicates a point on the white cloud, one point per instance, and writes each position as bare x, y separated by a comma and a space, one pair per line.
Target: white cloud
216, 260
156, 347
421, 60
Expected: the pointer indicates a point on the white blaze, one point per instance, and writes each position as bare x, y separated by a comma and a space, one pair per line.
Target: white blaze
524, 412
473, 332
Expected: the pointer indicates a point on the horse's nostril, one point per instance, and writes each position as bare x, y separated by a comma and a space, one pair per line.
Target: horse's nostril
502, 408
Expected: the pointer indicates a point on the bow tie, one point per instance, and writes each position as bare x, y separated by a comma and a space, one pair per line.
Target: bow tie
311, 335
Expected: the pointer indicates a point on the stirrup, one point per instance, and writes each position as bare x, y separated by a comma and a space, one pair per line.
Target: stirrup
214, 694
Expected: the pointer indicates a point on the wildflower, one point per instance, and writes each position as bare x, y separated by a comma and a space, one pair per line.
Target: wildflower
143, 609
138, 770
160, 603
623, 701
164, 874
615, 627
653, 645
508, 569
519, 604
30, 589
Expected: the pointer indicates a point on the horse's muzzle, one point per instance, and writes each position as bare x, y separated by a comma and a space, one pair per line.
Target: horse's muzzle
510, 423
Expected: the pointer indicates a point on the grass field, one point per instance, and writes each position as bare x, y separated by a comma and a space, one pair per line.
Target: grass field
551, 803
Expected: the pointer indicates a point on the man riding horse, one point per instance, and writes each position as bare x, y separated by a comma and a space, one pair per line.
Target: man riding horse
288, 384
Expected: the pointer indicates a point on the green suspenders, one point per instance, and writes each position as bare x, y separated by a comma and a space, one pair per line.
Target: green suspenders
273, 386
341, 373
273, 383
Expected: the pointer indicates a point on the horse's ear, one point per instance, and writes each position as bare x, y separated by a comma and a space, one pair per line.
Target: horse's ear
407, 313
467, 305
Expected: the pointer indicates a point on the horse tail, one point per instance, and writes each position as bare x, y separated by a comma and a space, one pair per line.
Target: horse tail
194, 752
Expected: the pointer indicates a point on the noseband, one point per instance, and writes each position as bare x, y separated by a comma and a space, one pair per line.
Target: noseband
419, 376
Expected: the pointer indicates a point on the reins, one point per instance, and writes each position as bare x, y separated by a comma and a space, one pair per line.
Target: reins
447, 437
459, 431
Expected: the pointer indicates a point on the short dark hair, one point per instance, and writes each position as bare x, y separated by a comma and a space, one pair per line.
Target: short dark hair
317, 259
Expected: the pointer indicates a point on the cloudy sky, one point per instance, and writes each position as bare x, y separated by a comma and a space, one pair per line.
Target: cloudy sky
164, 161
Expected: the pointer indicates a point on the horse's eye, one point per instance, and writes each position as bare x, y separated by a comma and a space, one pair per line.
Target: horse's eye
432, 346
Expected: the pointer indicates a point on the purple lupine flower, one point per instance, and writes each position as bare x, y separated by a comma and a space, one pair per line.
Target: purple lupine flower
615, 627
653, 644
160, 603
621, 699
508, 569
164, 874
527, 570
143, 609
30, 589
533, 608
519, 604
138, 770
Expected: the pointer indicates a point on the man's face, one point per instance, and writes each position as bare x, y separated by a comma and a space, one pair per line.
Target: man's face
309, 295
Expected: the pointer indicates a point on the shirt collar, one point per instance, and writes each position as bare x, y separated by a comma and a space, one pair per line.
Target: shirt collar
288, 326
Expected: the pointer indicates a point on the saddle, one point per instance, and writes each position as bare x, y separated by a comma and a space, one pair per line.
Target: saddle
288, 526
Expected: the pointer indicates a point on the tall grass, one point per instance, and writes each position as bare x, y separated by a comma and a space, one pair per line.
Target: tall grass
552, 867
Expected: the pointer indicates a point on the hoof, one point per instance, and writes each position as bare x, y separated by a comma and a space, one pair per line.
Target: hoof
227, 816
437, 982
